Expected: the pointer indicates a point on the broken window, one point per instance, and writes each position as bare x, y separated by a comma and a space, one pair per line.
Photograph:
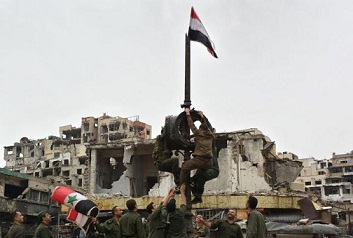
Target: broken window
34, 195
66, 173
56, 154
36, 174
82, 161
104, 129
44, 197
308, 183
79, 171
148, 132
13, 191
321, 173
331, 190
318, 182
47, 172
131, 129
66, 162
69, 182
56, 163
349, 169
114, 126
343, 162
336, 170
346, 190
79, 183
57, 171
86, 127
46, 164
335, 181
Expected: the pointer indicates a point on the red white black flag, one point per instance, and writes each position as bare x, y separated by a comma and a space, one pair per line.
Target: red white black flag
75, 201
79, 219
197, 32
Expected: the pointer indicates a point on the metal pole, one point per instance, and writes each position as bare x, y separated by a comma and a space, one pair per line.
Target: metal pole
187, 100
186, 133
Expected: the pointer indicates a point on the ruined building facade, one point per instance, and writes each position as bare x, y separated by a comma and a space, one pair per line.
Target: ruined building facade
331, 179
63, 158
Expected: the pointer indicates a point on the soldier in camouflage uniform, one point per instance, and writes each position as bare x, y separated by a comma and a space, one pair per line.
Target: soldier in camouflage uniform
200, 229
111, 228
162, 158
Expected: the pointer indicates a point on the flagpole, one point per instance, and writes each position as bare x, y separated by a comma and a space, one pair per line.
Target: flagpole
187, 100
186, 132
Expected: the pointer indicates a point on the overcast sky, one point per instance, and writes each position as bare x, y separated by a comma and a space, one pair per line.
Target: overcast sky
284, 67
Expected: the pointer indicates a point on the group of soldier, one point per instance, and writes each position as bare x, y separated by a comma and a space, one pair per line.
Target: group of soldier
17, 230
165, 219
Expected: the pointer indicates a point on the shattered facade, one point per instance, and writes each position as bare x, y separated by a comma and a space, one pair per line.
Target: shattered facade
330, 179
63, 159
248, 162
27, 194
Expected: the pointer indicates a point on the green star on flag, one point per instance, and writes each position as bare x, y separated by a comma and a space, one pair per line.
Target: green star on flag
72, 199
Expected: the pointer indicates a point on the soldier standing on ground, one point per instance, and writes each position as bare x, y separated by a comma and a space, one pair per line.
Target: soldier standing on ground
200, 229
131, 222
175, 217
111, 228
154, 219
227, 228
256, 227
16, 230
43, 230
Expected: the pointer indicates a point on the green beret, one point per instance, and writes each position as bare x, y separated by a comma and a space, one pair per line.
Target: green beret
40, 215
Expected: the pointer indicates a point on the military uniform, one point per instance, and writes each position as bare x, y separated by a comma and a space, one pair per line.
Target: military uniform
177, 226
201, 231
16, 231
110, 228
131, 225
226, 229
197, 182
153, 222
202, 153
43, 231
162, 158
256, 227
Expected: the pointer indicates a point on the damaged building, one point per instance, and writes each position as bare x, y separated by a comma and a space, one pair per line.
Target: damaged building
63, 158
110, 160
27, 194
330, 179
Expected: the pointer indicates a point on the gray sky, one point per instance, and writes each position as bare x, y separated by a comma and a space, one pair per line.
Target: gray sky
284, 67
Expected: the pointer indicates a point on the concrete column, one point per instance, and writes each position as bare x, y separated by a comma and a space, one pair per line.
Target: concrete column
93, 174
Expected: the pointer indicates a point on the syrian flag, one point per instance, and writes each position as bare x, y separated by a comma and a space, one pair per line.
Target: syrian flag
197, 32
75, 200
79, 219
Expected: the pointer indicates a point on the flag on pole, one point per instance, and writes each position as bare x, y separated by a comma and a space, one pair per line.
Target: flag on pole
197, 32
75, 200
79, 219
